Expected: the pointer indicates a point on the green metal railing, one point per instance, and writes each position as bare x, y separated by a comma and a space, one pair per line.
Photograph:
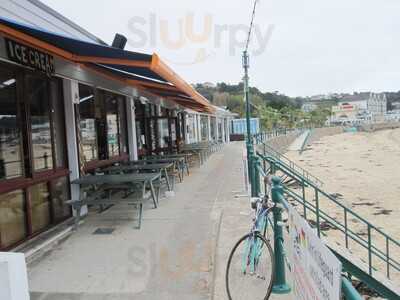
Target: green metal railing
268, 150
305, 142
280, 285
367, 243
382, 257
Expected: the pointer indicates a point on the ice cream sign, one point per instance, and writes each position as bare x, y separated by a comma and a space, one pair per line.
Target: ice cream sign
30, 57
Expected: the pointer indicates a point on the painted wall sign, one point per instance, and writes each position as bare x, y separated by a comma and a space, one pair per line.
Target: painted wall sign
30, 57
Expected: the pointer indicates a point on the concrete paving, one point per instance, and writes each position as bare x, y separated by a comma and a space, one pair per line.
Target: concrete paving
237, 215
179, 253
170, 257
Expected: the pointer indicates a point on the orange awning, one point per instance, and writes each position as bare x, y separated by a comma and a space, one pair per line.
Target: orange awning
143, 71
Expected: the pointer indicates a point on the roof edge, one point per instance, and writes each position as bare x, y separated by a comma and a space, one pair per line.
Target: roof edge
64, 19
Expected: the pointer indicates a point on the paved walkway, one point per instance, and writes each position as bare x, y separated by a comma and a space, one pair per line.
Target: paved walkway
176, 255
298, 142
236, 220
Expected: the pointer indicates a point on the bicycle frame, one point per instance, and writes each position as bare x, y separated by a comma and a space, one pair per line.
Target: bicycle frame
253, 246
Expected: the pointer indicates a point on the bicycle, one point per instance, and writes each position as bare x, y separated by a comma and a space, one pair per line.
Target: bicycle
251, 260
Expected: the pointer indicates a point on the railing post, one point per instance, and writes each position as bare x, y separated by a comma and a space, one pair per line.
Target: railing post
304, 199
256, 165
250, 154
251, 174
346, 235
369, 250
317, 213
280, 286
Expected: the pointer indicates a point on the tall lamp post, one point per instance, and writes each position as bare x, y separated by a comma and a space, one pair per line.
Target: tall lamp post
249, 141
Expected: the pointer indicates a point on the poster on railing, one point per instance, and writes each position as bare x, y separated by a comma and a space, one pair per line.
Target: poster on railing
316, 271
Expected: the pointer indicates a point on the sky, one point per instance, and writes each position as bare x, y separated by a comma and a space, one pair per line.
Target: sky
298, 48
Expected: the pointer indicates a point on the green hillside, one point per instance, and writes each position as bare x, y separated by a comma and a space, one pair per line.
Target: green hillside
274, 109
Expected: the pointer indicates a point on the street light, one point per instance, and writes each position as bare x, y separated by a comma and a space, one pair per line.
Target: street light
249, 143
245, 62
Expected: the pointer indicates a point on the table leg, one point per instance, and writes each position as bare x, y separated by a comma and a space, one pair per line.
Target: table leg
140, 214
182, 168
187, 165
153, 193
159, 189
180, 174
167, 178
77, 216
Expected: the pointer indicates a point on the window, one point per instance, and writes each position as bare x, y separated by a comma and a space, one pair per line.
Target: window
113, 136
12, 218
42, 154
180, 127
32, 147
87, 123
213, 128
57, 104
140, 127
190, 128
219, 130
39, 207
102, 124
11, 159
173, 130
164, 132
204, 128
123, 133
60, 194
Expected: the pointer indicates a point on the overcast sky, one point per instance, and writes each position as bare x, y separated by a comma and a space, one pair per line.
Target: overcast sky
300, 48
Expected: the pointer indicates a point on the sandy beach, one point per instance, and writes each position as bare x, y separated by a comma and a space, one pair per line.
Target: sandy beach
362, 170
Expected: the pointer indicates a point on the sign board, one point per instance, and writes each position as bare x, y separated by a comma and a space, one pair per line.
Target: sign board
30, 57
315, 269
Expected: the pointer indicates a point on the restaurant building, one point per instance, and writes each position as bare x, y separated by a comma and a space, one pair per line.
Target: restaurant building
70, 104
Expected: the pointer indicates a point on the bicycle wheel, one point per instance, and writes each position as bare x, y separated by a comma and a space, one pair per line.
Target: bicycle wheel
251, 268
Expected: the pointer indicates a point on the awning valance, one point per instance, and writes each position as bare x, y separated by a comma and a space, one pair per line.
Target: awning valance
137, 69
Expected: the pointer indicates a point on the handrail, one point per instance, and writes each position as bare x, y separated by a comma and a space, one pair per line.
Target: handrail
349, 291
285, 159
277, 196
299, 170
311, 184
375, 254
349, 233
305, 140
367, 243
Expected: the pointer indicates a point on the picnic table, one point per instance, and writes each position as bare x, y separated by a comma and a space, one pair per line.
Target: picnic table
185, 156
110, 182
179, 163
202, 150
158, 167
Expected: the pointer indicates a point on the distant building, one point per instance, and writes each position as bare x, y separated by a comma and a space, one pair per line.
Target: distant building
344, 112
393, 116
309, 106
377, 104
360, 108
313, 102
396, 105
209, 85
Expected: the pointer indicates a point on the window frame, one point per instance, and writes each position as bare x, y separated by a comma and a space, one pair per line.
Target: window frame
102, 138
31, 177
